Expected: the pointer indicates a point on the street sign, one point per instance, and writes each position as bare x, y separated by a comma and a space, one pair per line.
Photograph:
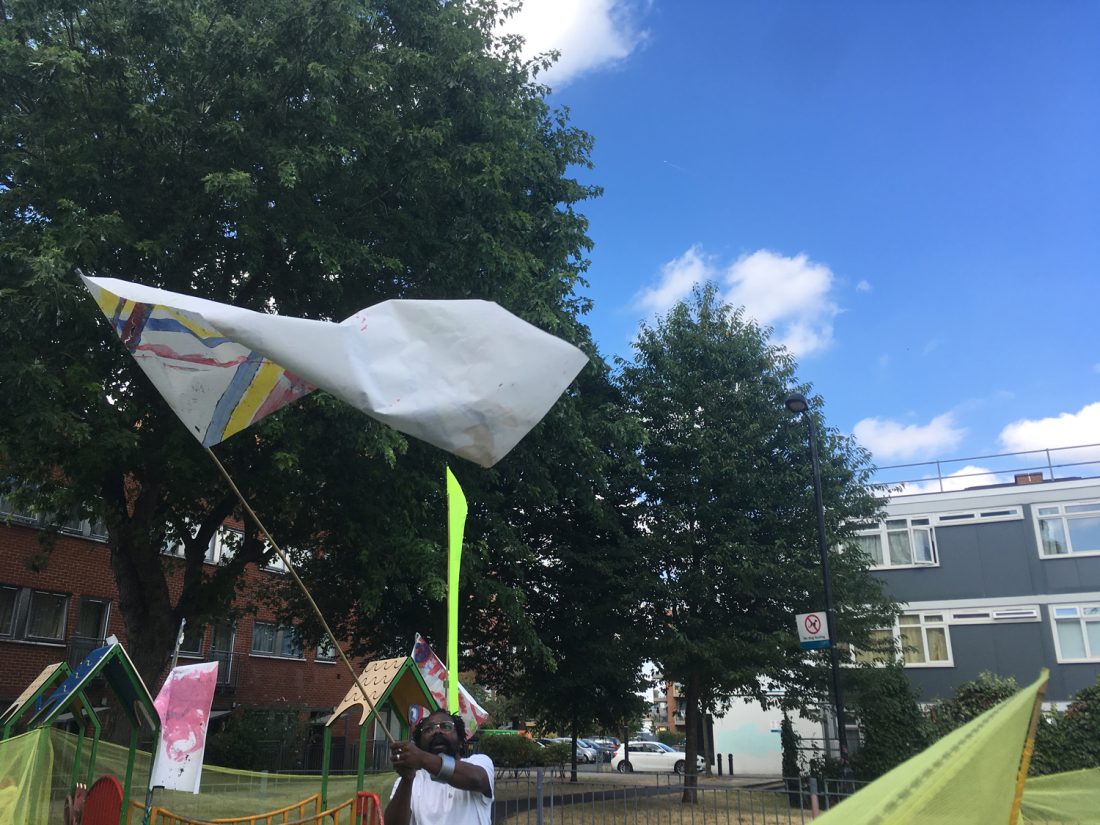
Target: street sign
813, 630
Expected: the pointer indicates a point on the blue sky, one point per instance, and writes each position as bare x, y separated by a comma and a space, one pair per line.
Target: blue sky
907, 192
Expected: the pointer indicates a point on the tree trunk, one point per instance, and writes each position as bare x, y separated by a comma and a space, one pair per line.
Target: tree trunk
691, 723
573, 772
144, 602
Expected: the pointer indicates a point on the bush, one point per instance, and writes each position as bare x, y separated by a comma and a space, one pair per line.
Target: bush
1069, 741
971, 700
890, 720
509, 751
258, 740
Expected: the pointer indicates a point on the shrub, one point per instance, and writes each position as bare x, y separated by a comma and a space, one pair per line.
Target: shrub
970, 700
510, 751
1070, 741
890, 720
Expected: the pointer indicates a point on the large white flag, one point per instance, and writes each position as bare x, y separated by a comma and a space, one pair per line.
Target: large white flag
184, 707
466, 376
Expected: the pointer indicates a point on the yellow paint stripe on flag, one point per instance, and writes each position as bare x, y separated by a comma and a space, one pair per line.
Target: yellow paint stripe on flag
267, 376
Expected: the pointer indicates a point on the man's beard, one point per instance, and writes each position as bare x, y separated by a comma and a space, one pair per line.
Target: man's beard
441, 744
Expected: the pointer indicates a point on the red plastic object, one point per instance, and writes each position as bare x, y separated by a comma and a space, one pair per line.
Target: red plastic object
104, 803
368, 809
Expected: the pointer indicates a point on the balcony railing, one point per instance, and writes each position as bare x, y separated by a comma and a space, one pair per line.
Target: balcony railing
1023, 467
229, 669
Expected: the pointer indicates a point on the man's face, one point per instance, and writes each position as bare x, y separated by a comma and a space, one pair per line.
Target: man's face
435, 736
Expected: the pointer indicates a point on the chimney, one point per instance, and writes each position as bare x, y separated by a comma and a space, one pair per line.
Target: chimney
1029, 478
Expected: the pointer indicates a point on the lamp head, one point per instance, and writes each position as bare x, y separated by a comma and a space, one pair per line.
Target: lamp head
796, 403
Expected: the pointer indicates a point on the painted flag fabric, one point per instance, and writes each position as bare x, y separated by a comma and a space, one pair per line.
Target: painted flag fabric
456, 525
184, 708
969, 776
434, 673
466, 376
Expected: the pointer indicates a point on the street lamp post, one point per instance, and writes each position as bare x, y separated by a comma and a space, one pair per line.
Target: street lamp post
796, 403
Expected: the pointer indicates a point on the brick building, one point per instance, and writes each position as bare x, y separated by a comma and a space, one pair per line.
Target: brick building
63, 609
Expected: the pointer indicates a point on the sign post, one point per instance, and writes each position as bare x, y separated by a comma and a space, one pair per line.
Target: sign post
813, 630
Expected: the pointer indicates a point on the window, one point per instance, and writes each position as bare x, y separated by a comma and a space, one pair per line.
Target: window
193, 636
325, 651
33, 615
1065, 529
269, 639
91, 619
922, 638
8, 596
1077, 632
900, 542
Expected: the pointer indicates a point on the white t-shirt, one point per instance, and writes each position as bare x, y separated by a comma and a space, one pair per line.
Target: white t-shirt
437, 803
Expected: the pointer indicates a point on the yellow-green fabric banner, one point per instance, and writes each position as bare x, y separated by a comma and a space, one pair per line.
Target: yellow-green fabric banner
456, 525
1062, 798
26, 777
966, 778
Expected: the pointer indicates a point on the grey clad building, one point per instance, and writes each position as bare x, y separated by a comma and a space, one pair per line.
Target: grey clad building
1004, 578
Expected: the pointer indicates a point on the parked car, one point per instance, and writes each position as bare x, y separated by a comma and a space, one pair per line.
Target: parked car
605, 748
652, 756
585, 753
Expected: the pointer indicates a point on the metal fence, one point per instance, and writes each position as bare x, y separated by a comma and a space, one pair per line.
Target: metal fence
543, 798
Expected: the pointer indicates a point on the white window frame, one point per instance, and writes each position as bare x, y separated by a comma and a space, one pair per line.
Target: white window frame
1064, 518
924, 626
913, 524
1082, 618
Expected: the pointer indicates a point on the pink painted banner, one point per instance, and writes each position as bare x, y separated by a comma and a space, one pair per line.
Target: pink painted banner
434, 673
184, 707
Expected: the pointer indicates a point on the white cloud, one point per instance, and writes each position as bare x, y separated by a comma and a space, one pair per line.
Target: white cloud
789, 294
678, 276
969, 476
1065, 430
589, 34
863, 286
889, 440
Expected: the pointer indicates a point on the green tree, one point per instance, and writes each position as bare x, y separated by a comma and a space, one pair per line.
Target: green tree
728, 511
305, 156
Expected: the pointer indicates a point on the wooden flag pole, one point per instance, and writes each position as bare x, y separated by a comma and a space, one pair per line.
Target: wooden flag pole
305, 591
1029, 748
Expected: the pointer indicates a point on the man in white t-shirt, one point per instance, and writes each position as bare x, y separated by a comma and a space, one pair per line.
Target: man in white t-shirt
436, 785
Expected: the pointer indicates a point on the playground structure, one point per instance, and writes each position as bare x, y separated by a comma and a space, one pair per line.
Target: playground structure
47, 769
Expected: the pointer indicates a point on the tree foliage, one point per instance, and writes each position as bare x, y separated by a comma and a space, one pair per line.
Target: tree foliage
727, 509
309, 157
970, 700
1070, 740
891, 724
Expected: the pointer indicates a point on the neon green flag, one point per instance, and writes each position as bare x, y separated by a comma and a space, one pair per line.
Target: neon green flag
969, 776
456, 523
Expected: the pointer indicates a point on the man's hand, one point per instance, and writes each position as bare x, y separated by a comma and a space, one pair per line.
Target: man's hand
407, 759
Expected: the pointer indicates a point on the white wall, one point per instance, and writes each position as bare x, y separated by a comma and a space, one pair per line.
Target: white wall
751, 734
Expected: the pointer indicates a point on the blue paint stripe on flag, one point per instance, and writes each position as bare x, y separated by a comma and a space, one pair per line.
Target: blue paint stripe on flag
173, 325
238, 386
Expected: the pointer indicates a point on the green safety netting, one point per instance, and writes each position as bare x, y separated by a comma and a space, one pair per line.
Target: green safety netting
26, 767
1062, 798
223, 792
967, 778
